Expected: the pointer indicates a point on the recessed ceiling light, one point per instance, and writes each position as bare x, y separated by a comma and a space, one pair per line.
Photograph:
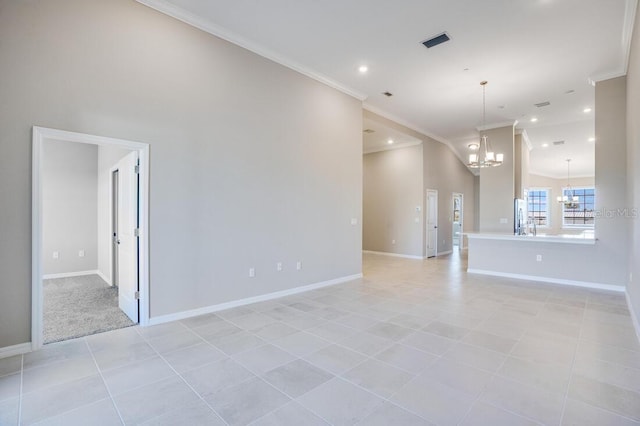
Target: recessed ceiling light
587, 110
363, 69
534, 119
545, 145
473, 146
592, 139
390, 141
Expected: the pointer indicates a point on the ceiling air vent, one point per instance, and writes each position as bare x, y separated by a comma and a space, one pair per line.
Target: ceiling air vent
543, 104
368, 131
434, 41
387, 94
556, 143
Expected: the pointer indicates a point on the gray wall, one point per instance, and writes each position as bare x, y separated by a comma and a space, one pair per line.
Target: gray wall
392, 189
251, 163
443, 171
497, 184
555, 189
612, 231
108, 157
69, 206
633, 171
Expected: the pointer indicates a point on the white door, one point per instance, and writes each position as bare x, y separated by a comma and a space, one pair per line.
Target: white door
126, 238
457, 219
432, 222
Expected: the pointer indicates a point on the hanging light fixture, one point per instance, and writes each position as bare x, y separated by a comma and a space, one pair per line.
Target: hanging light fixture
570, 201
485, 157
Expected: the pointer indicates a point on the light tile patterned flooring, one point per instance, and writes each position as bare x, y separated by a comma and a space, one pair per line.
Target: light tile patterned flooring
413, 343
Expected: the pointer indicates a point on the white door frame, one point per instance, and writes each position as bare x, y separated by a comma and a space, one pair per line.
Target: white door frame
39, 137
460, 237
426, 222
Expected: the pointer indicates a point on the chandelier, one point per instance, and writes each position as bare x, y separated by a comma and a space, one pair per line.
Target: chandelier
570, 201
485, 157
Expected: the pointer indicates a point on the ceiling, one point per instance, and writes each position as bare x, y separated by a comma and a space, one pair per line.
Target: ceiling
530, 51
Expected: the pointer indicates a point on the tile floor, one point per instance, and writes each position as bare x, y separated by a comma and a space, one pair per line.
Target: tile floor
413, 343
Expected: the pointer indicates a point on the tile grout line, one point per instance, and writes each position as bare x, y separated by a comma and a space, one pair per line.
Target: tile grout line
104, 382
495, 374
181, 377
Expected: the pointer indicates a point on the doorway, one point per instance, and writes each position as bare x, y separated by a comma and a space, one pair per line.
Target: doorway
456, 220
137, 239
431, 221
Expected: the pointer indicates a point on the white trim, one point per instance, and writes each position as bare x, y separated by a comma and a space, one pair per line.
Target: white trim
20, 349
442, 253
205, 25
527, 141
70, 274
562, 239
386, 253
249, 300
392, 147
634, 318
627, 32
574, 283
104, 277
39, 136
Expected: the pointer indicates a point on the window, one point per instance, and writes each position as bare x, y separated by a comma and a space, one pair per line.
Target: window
538, 206
582, 214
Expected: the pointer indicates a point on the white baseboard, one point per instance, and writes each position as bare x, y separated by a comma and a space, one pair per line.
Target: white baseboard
70, 274
104, 277
235, 303
386, 253
634, 317
585, 284
20, 349
442, 253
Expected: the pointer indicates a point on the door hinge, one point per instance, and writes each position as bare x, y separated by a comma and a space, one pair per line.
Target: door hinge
136, 169
136, 232
137, 295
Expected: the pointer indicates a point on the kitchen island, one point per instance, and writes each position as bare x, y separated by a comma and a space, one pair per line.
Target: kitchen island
561, 259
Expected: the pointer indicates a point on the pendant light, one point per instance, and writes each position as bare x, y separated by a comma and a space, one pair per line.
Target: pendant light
570, 201
485, 157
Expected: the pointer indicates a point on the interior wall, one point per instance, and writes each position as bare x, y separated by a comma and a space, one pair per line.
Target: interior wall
108, 157
612, 224
633, 171
497, 184
251, 163
69, 204
443, 171
392, 189
555, 189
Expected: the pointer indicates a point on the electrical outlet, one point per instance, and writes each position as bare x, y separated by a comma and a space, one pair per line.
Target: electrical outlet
56, 255
298, 265
538, 258
81, 253
393, 241
279, 266
252, 272
503, 220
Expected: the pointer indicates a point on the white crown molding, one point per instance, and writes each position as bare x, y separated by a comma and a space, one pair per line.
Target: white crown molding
392, 147
511, 123
413, 127
180, 14
525, 138
630, 9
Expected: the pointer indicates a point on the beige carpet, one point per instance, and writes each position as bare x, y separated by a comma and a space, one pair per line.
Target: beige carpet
80, 306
